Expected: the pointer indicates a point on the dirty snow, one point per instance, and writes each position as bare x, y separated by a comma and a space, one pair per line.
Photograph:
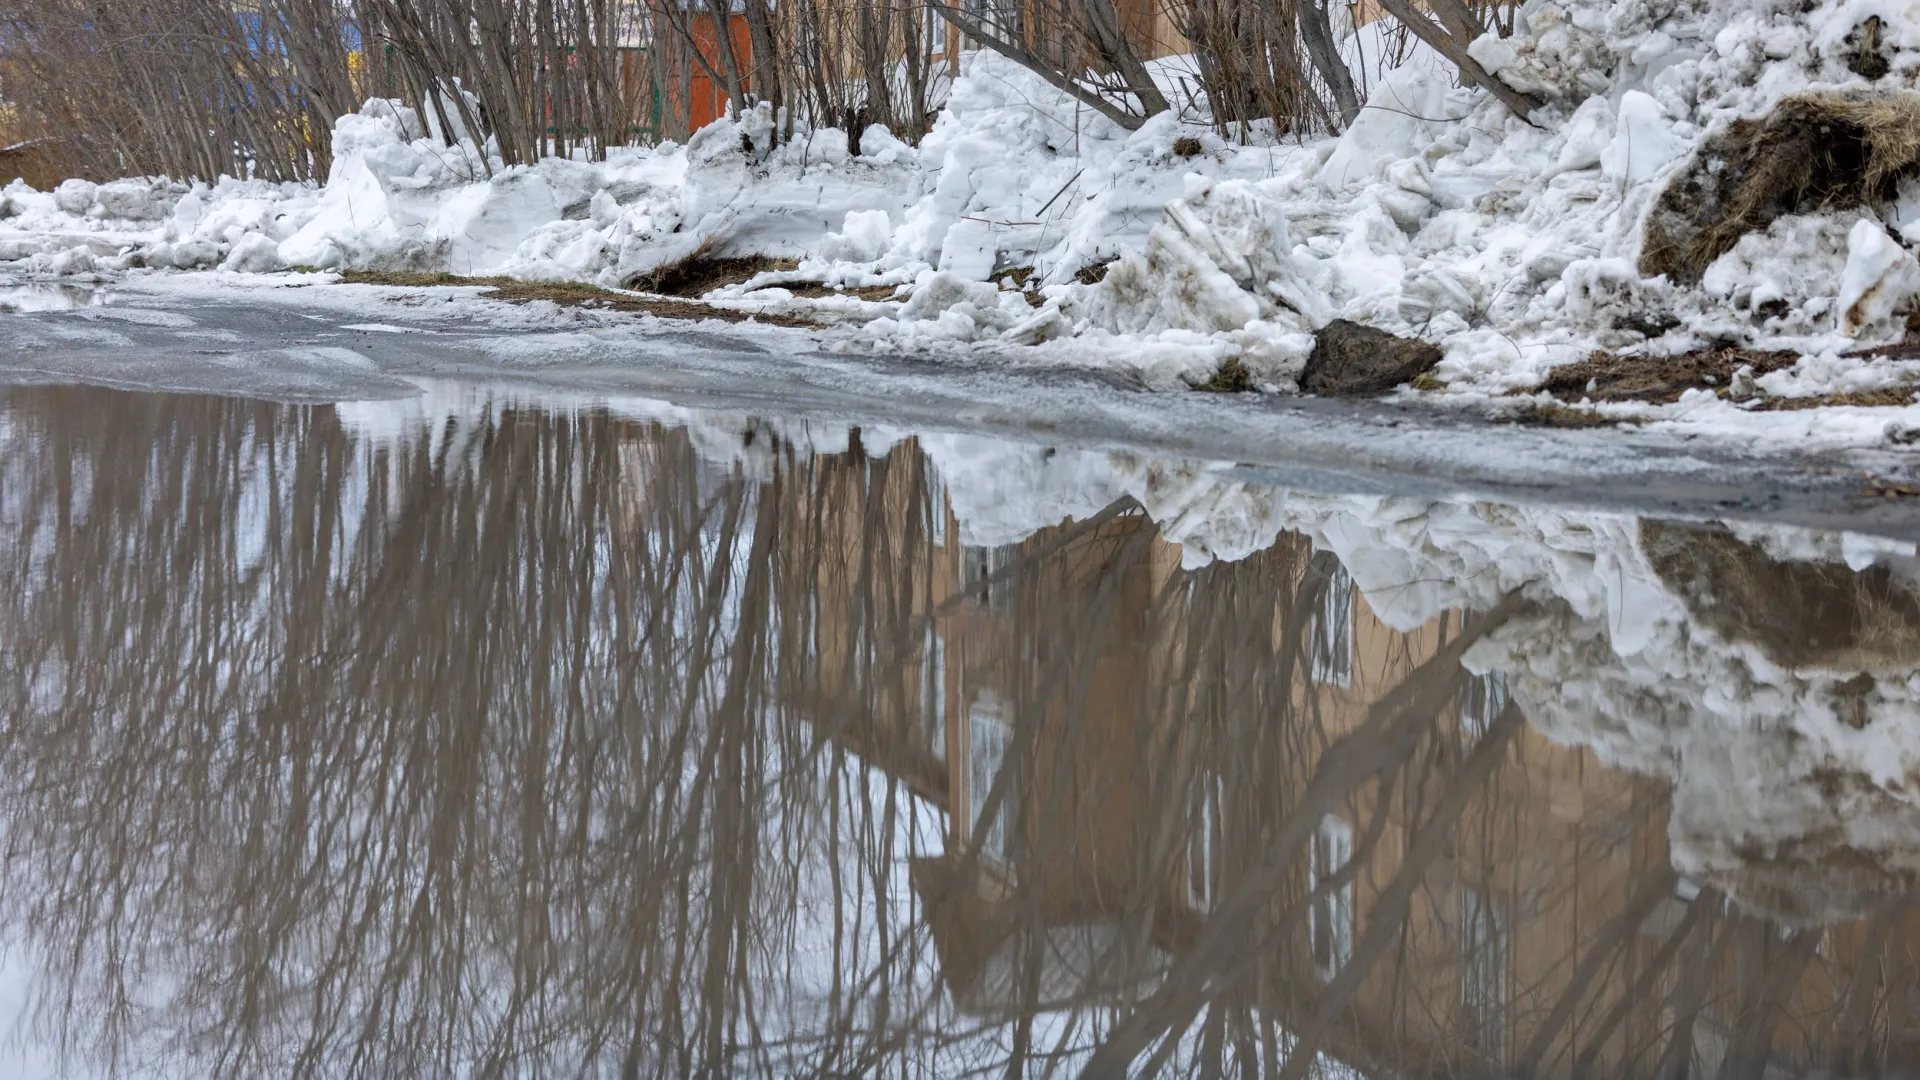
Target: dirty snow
1437, 214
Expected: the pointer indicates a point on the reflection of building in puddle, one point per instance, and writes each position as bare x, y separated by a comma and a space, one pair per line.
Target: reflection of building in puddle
1117, 744
595, 745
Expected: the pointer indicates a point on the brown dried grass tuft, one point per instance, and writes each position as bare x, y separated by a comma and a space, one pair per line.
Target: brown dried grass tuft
702, 271
1231, 377
570, 294
1814, 152
1607, 376
1799, 614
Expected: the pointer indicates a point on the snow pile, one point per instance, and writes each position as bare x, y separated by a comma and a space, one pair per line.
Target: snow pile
1024, 223
398, 197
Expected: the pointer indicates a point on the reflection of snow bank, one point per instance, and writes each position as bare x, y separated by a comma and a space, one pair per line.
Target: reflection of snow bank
1792, 786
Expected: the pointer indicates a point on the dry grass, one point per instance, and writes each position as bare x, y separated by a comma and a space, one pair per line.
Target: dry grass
820, 290
571, 294
1232, 377
1891, 396
1800, 614
702, 272
1658, 380
1094, 272
1814, 152
1565, 416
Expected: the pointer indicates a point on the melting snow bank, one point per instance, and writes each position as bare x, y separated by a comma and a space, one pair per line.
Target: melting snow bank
1025, 224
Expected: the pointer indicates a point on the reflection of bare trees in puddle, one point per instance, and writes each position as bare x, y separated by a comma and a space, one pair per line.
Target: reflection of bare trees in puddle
538, 744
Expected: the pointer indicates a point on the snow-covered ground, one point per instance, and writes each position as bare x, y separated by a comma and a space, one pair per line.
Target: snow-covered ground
1512, 245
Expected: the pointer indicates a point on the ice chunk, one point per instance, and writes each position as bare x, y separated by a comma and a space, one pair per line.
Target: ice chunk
863, 238
137, 200
1404, 113
880, 144
256, 253
1220, 261
74, 196
603, 209
1175, 285
1879, 278
1643, 141
969, 250
1588, 132
1493, 53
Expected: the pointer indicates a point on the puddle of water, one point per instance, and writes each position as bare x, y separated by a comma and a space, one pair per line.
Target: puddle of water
47, 296
458, 736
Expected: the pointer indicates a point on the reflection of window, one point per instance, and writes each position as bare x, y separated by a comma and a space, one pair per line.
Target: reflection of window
1202, 880
1333, 626
989, 737
934, 706
1331, 917
937, 495
1483, 974
813, 626
1486, 699
987, 575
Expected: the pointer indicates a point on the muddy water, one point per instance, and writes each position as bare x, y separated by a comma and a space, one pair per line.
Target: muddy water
466, 736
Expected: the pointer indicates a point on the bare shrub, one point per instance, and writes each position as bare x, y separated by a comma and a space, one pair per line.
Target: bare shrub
201, 88
183, 87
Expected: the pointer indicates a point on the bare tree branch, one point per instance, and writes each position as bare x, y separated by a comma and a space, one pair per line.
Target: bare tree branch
1452, 47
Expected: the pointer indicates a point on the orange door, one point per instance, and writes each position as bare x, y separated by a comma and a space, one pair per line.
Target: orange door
709, 98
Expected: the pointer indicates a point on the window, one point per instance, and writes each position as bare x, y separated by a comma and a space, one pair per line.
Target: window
1333, 625
1000, 16
988, 739
936, 34
1330, 919
1486, 700
1483, 974
989, 576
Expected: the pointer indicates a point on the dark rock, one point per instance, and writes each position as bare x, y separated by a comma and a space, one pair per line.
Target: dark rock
1350, 359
